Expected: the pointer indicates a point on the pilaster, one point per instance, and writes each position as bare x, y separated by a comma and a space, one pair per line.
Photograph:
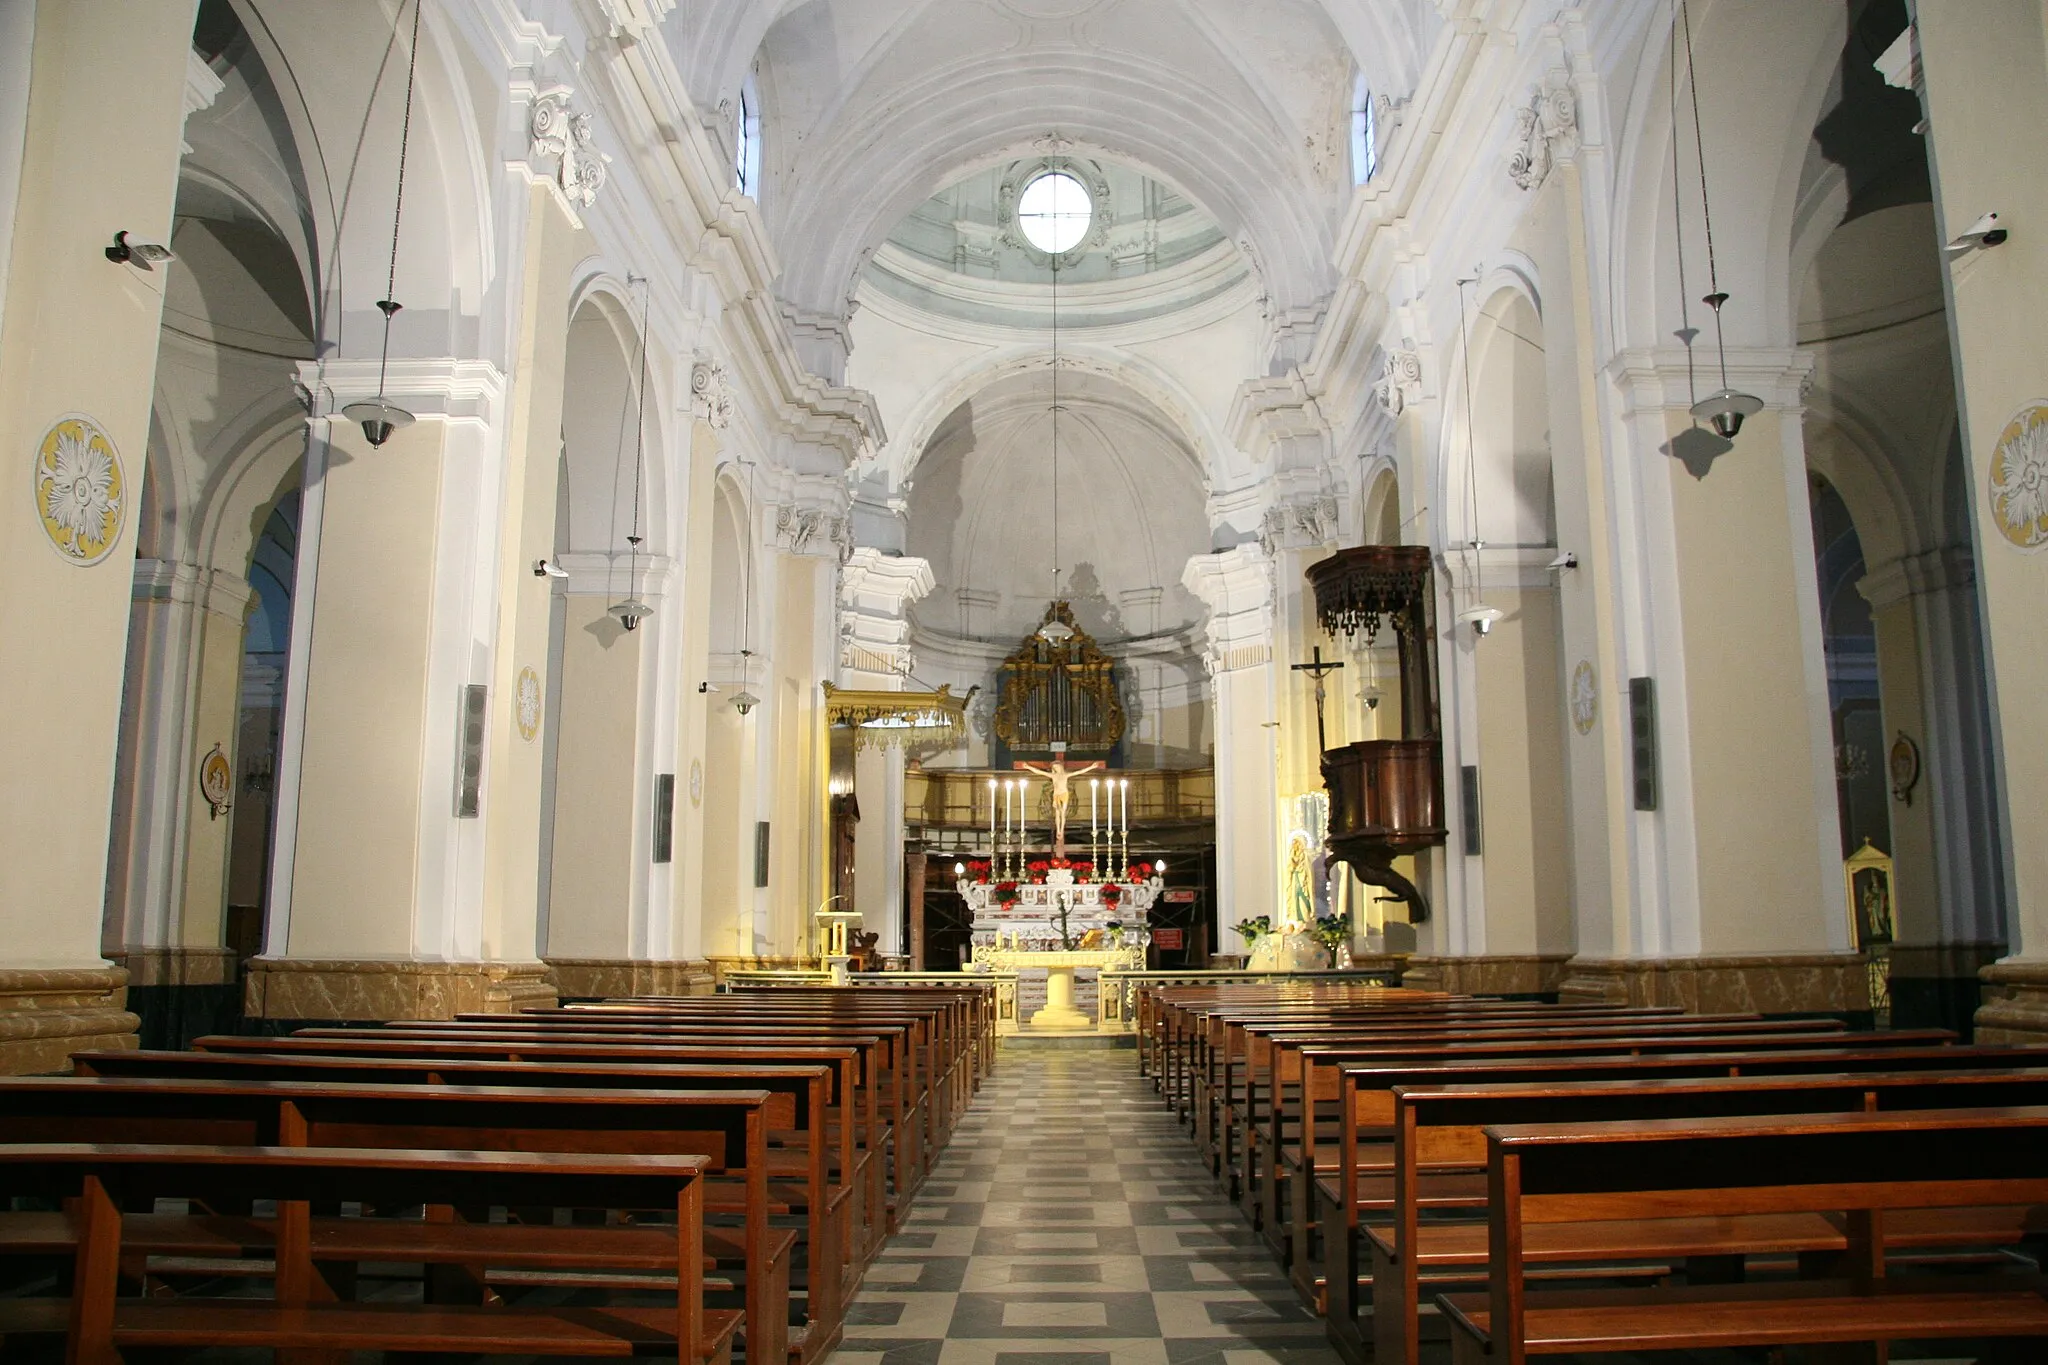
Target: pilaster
1978, 73
875, 595
75, 396
1237, 585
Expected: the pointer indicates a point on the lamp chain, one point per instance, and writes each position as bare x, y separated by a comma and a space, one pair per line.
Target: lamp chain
389, 305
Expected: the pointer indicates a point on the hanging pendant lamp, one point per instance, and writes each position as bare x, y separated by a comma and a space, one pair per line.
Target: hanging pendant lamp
1725, 408
379, 416
632, 611
1479, 615
1055, 632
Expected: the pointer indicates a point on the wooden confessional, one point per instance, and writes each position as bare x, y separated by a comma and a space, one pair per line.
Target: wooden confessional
1386, 795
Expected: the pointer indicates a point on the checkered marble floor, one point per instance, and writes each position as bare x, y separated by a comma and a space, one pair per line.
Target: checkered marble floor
1068, 1223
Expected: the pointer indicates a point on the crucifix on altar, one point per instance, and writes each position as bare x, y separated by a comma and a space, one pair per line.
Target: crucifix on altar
1319, 670
1060, 775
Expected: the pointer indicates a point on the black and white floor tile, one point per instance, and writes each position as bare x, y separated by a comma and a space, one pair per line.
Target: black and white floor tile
1068, 1223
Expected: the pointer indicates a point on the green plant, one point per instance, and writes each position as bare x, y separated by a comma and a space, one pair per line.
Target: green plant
1252, 930
1334, 931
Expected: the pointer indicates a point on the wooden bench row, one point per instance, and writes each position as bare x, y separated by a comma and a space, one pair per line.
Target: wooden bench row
1368, 1123
802, 1124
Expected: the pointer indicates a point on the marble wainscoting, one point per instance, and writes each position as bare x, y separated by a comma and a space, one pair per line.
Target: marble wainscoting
383, 989
2015, 1006
48, 1013
1527, 976
599, 978
181, 993
721, 965
1788, 983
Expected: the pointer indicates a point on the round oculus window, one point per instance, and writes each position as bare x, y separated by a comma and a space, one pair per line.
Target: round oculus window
1054, 211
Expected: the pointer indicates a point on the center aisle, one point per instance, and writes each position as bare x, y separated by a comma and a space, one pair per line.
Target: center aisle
1068, 1224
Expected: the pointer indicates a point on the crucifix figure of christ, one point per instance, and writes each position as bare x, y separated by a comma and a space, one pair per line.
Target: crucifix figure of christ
1319, 671
1060, 775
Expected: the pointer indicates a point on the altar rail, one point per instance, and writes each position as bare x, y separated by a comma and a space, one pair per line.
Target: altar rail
1117, 991
1005, 984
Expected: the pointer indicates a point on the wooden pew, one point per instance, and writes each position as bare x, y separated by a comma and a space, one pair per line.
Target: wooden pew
303, 1315
728, 1127
1440, 1128
1285, 1168
897, 1139
824, 1202
1867, 1170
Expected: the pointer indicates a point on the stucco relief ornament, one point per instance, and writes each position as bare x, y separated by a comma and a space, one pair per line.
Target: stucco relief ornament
2019, 478
583, 171
1585, 697
79, 489
547, 124
1546, 131
1400, 381
527, 701
711, 394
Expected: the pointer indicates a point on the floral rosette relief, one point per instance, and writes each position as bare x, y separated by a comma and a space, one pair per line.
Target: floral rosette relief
2019, 478
80, 490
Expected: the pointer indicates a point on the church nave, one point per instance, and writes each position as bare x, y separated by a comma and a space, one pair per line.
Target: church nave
1069, 1224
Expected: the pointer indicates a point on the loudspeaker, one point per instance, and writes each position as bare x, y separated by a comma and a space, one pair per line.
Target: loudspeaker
1468, 798
469, 775
664, 817
1642, 733
760, 854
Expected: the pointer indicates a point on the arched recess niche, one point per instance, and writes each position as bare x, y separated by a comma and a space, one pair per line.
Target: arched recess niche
726, 877
1131, 510
591, 893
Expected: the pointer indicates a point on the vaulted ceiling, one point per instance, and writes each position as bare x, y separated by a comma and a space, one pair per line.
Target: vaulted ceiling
872, 106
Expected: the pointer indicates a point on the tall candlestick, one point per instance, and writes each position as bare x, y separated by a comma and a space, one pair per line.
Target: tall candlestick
1094, 835
1124, 790
991, 821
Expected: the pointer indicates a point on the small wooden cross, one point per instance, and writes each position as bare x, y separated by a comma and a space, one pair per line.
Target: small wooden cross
1319, 670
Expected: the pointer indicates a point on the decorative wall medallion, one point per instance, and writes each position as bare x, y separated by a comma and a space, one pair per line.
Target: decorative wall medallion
696, 782
2019, 478
527, 699
217, 781
1585, 697
79, 489
1904, 765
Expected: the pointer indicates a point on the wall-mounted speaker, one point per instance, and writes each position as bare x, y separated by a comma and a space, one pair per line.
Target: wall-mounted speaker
469, 776
664, 817
1468, 799
760, 854
1642, 735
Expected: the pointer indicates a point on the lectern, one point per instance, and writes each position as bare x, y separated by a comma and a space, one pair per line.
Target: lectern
1386, 795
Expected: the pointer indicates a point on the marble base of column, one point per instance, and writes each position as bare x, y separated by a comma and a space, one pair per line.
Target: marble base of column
46, 1014
597, 978
1790, 983
181, 993
1525, 975
1936, 985
2015, 1006
386, 989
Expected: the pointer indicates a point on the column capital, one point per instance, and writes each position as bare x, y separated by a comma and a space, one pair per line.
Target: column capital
443, 387
1656, 379
1237, 586
875, 593
222, 593
613, 573
1932, 571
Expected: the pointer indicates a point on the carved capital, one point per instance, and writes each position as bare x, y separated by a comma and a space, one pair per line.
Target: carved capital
558, 131
1400, 381
711, 393
1546, 131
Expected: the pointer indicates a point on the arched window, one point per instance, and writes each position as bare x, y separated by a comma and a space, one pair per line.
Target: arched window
1365, 140
746, 156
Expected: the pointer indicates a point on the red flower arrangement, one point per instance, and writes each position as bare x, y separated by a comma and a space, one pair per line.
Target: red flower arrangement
1006, 893
1111, 894
977, 871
